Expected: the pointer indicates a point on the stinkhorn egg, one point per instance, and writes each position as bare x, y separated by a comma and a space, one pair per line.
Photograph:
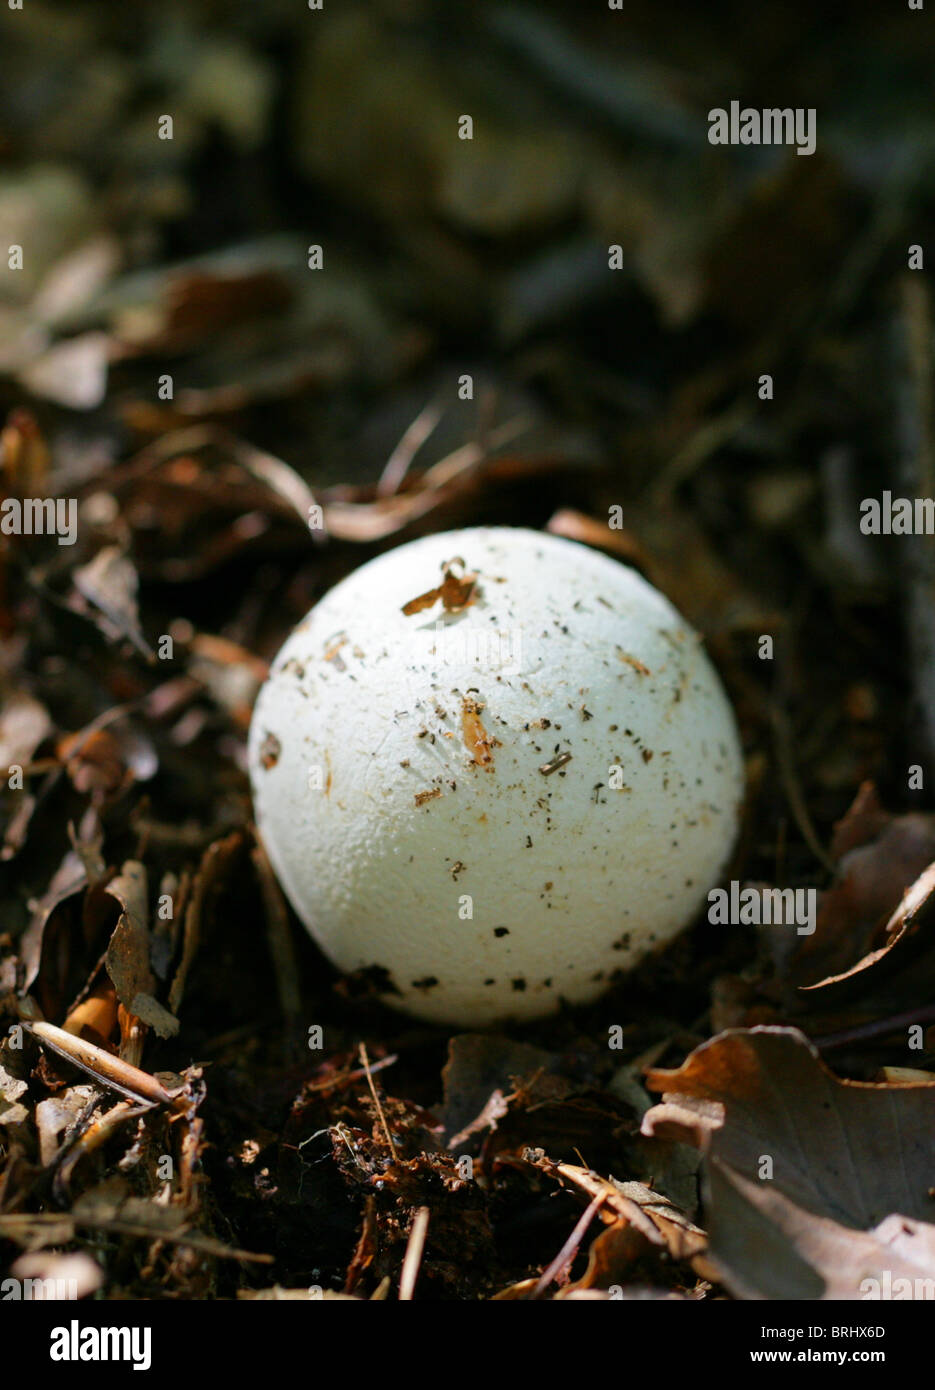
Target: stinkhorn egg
492, 769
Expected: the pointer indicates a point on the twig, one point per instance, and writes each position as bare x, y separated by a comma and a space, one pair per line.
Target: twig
349, 1075
783, 743
103, 1066
413, 1257
570, 1248
559, 761
398, 463
365, 1060
13, 1222
878, 1027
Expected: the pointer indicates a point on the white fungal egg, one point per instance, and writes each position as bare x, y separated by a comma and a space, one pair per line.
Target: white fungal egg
492, 769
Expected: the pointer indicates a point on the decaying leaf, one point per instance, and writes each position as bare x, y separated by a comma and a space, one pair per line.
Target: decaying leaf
127, 958
788, 1147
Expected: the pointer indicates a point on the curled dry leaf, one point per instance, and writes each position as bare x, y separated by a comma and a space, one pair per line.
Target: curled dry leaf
69, 881
57, 1114
914, 908
878, 857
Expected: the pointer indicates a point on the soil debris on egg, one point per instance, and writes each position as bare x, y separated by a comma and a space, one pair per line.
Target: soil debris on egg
455, 591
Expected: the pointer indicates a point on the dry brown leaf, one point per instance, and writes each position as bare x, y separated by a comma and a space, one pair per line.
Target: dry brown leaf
799, 1165
127, 958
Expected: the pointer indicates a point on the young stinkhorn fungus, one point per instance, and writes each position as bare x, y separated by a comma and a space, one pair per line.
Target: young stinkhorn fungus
493, 769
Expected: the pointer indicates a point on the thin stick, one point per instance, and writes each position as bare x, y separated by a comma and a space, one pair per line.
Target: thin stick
365, 1060
782, 735
19, 1224
346, 1077
570, 1248
548, 768
413, 1257
878, 1027
103, 1066
397, 465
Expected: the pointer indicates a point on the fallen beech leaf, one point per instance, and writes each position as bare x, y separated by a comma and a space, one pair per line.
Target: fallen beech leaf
788, 1147
765, 1091
212, 871
93, 760
577, 526
884, 854
610, 1257
903, 923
